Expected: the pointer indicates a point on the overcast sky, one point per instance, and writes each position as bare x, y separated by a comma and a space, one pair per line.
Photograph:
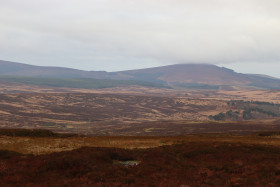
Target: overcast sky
126, 34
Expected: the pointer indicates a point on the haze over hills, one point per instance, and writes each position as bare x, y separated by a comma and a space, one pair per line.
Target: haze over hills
197, 76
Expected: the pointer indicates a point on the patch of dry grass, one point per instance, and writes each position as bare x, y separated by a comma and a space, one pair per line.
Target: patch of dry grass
44, 145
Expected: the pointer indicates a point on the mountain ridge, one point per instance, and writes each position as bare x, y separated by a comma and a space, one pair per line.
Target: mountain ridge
198, 76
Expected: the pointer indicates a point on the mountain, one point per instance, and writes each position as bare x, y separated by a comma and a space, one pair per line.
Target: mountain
197, 76
188, 73
202, 76
19, 69
65, 77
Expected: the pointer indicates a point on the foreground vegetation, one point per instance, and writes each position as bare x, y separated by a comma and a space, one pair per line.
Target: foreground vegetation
194, 160
41, 157
39, 142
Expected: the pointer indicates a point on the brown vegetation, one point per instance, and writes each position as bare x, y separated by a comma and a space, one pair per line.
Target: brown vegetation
79, 112
189, 162
164, 134
112, 114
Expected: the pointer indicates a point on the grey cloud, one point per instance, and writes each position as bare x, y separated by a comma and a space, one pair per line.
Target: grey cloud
124, 34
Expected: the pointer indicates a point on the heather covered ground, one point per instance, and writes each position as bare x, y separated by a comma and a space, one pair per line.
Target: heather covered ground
193, 160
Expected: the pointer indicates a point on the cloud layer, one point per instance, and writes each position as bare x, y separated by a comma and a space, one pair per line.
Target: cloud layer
125, 34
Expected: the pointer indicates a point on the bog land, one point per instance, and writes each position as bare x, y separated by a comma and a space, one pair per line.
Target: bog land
138, 136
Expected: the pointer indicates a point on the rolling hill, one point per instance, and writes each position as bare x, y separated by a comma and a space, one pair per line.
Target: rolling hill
195, 76
202, 76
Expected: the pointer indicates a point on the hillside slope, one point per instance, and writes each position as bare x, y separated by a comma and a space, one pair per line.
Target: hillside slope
199, 75
19, 69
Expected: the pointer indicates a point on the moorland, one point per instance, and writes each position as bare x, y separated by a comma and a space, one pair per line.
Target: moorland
47, 159
85, 131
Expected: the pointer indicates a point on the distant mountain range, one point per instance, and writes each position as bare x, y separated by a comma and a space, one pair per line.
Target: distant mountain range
195, 76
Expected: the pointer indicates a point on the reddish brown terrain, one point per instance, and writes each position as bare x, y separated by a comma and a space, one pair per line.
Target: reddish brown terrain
114, 114
133, 135
217, 160
81, 112
156, 140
